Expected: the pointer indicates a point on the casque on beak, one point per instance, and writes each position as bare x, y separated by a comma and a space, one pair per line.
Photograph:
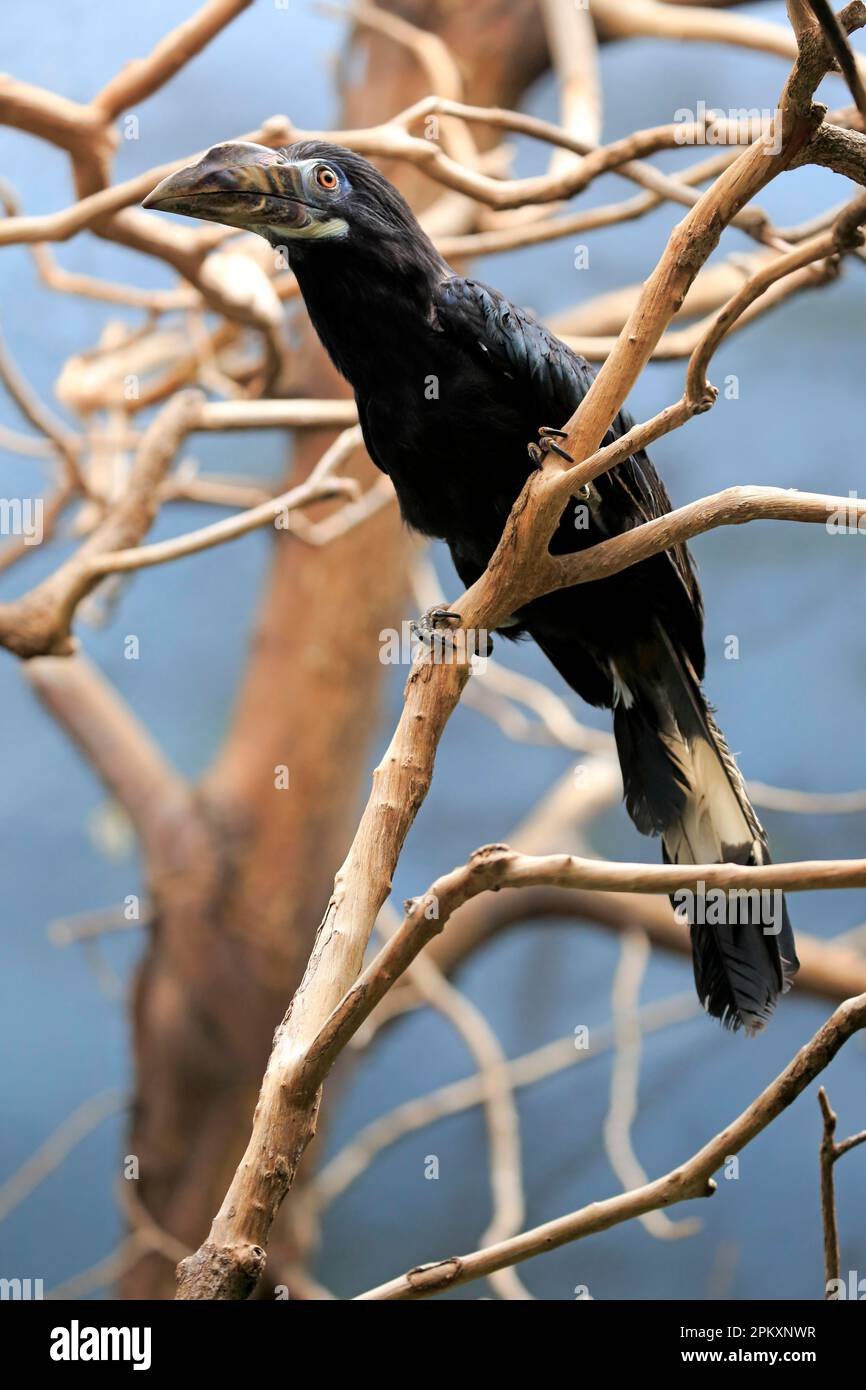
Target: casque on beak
240, 185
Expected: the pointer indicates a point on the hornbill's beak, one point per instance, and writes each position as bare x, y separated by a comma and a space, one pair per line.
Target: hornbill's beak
241, 185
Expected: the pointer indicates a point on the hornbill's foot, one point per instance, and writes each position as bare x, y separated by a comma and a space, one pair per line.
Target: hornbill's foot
548, 444
547, 437
434, 625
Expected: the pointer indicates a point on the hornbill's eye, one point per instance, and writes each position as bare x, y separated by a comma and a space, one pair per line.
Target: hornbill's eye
326, 178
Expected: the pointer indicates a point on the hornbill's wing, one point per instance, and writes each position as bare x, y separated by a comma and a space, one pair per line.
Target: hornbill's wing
368, 442
555, 380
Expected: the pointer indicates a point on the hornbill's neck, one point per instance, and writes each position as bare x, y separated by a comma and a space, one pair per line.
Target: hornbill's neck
370, 306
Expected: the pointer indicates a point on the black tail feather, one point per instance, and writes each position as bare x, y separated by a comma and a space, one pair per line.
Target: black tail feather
743, 954
682, 782
654, 782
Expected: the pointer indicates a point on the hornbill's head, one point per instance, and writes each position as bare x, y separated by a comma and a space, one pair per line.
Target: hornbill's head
349, 236
299, 197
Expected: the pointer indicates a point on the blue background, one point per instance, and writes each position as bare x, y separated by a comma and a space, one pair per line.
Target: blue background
792, 706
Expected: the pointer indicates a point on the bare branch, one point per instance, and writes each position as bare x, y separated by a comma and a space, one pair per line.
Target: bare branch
626, 18
503, 1124
320, 486
156, 798
837, 40
689, 1180
574, 54
66, 443
335, 1176
625, 1080
48, 1158
39, 622
829, 1153
141, 78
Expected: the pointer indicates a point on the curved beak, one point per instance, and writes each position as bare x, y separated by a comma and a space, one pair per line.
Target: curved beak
241, 185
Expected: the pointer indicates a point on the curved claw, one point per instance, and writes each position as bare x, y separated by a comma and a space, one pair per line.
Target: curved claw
427, 627
555, 448
547, 444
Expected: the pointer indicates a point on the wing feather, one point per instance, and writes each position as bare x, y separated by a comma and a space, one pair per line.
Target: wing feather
556, 379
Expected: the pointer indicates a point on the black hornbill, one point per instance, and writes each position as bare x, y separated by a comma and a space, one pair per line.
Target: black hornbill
395, 318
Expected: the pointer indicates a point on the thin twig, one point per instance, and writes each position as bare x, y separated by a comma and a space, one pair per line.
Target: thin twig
56, 1148
689, 1180
625, 1080
829, 1153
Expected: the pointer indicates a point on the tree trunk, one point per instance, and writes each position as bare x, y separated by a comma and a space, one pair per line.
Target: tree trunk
240, 889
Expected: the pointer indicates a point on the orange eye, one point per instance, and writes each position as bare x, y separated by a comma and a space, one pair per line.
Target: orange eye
326, 178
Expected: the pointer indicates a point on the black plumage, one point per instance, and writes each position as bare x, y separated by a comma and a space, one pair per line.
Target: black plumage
452, 383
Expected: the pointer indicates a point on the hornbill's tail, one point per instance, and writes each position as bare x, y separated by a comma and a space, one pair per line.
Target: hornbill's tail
682, 783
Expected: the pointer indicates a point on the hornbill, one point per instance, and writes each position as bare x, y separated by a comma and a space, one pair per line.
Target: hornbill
395, 318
